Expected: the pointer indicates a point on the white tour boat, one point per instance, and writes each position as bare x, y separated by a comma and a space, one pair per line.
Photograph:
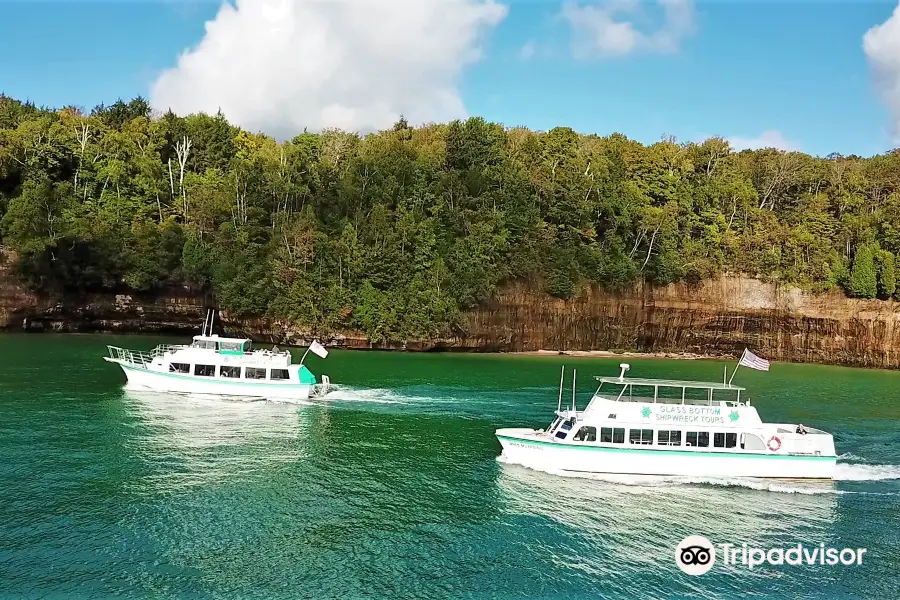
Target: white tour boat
220, 366
672, 428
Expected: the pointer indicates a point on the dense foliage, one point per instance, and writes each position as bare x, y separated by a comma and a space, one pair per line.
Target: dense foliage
395, 232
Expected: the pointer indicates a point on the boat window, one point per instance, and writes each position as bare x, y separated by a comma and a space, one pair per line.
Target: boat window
612, 435
205, 370
640, 436
730, 440
254, 373
230, 372
278, 374
719, 439
554, 424
699, 439
564, 429
752, 442
586, 434
179, 368
668, 438
231, 347
204, 344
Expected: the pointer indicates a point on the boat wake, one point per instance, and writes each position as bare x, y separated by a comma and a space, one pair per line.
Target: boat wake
849, 457
843, 472
865, 472
336, 392
351, 394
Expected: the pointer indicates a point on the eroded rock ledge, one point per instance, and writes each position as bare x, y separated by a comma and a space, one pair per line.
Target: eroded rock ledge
716, 318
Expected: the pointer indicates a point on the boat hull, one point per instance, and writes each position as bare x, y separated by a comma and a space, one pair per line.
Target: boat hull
522, 446
147, 379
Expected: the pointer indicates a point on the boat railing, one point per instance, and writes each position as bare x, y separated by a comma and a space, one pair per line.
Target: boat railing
163, 349
661, 400
321, 389
134, 357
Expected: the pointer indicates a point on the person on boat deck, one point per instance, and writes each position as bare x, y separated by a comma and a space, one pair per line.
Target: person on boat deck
801, 429
275, 350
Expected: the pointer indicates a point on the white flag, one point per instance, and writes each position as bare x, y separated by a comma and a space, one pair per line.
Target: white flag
748, 359
318, 349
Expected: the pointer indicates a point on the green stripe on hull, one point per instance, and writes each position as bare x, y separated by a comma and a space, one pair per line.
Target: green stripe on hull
658, 452
258, 383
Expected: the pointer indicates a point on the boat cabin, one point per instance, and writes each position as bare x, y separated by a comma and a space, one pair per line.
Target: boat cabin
227, 346
672, 414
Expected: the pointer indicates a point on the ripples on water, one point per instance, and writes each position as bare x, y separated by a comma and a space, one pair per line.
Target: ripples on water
391, 492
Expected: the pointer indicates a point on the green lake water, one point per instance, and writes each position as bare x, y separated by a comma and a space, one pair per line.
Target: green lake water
391, 486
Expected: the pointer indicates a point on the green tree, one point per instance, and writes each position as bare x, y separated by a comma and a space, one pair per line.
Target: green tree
863, 277
887, 279
36, 219
395, 232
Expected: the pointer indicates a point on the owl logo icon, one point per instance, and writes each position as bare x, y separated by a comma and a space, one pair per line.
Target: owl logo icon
695, 555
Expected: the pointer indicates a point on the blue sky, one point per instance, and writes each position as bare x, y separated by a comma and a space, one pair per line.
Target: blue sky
796, 70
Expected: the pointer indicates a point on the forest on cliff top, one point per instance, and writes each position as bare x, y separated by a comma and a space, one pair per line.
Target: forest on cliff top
394, 233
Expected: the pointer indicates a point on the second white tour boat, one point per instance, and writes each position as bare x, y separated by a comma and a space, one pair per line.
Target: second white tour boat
213, 365
635, 426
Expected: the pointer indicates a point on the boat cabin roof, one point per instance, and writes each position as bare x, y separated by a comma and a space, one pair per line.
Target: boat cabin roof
669, 383
222, 340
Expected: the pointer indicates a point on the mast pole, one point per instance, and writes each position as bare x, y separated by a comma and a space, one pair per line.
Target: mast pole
574, 371
562, 374
744, 353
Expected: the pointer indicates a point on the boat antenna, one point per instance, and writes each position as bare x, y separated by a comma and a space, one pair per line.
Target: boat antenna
562, 374
205, 321
574, 371
212, 319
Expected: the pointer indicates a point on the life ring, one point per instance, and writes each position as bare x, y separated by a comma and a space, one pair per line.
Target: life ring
774, 443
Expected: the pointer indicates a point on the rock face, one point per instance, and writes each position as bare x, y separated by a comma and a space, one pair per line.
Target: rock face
718, 317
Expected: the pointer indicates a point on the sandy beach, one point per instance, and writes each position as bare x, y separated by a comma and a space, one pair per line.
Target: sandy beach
611, 354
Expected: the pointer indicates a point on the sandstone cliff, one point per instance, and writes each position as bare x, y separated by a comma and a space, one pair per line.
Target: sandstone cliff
718, 317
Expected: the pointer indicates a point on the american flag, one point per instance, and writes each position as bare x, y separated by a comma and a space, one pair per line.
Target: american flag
748, 359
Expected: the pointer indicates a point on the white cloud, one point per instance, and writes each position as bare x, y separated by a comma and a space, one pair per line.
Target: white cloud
881, 44
767, 139
621, 27
282, 65
528, 50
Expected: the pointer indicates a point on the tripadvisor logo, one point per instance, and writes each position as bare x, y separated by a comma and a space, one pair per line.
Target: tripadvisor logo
695, 555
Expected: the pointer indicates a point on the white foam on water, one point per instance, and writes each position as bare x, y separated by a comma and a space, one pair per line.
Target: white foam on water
849, 457
377, 395
860, 472
811, 488
294, 401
